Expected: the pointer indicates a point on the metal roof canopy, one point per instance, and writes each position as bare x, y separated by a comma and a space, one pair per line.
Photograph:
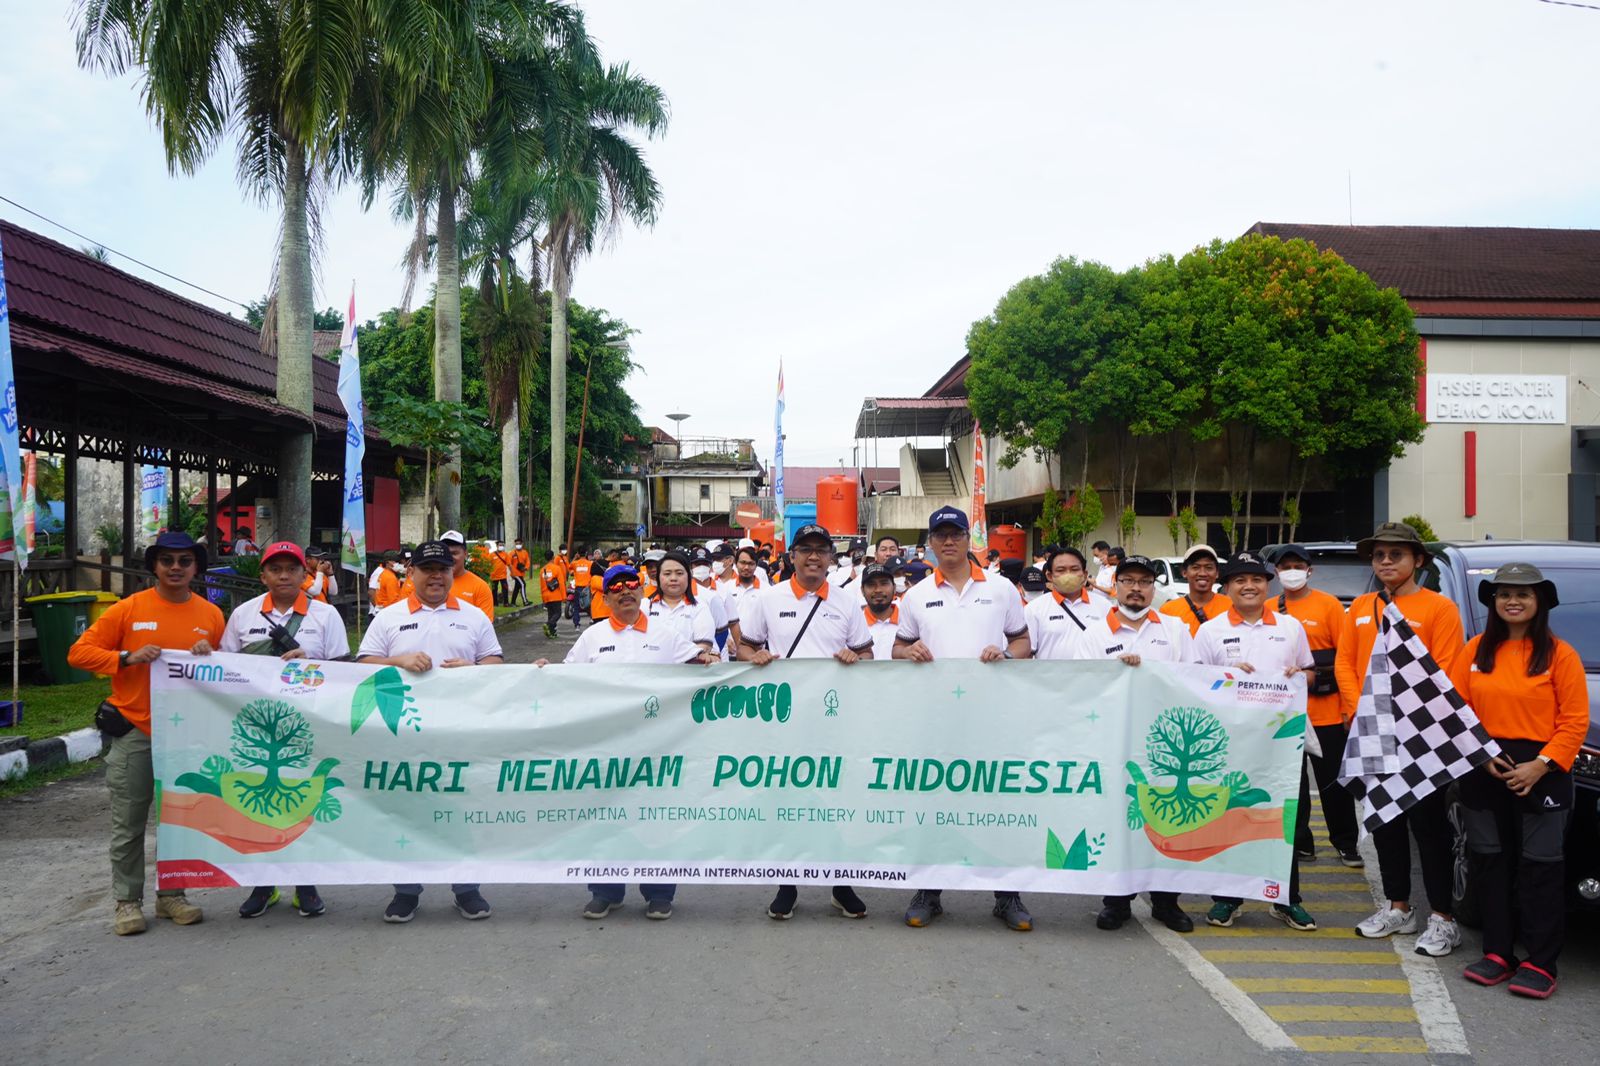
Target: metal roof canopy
906, 416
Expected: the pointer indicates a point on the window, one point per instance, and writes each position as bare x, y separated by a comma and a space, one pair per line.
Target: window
606, 486
624, 486
705, 491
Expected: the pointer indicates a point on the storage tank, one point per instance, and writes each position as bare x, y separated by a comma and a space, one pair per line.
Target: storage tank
762, 531
1012, 541
836, 505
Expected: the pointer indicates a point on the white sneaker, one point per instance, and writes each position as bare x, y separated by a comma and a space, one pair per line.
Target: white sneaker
1441, 937
1389, 921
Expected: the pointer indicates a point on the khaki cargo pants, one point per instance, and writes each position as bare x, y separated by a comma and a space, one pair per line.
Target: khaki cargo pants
131, 781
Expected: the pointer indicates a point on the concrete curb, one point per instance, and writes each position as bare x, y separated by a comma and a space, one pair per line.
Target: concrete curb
80, 745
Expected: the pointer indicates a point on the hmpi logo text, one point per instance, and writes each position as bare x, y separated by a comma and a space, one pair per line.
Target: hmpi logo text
306, 675
195, 671
766, 702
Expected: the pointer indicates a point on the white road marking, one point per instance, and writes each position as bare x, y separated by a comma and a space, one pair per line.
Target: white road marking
1233, 999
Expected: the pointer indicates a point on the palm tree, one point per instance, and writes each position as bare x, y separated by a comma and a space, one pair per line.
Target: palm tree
594, 179
280, 75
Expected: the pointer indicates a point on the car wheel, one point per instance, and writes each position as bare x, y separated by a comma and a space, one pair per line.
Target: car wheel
1463, 879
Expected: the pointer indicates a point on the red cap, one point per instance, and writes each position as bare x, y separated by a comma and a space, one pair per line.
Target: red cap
283, 547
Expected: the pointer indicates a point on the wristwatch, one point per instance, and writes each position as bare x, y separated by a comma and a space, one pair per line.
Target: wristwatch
122, 660
1549, 763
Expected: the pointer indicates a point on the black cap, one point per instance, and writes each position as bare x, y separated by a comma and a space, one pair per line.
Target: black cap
1291, 551
433, 553
1011, 570
812, 530
1243, 564
700, 555
875, 572
1033, 579
1136, 562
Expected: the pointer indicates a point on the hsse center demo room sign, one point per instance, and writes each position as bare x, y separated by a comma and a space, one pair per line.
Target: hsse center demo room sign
1515, 399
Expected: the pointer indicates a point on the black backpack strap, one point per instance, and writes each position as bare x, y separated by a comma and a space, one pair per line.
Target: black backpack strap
803, 626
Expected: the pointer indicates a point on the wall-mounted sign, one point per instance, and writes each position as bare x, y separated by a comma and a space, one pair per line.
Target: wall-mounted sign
1514, 399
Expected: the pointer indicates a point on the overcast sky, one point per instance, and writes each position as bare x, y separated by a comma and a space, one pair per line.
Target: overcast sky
850, 185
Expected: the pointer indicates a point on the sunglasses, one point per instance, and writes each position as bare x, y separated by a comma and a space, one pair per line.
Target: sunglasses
618, 586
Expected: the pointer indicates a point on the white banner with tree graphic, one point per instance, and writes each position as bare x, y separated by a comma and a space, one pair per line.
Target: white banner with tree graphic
1040, 776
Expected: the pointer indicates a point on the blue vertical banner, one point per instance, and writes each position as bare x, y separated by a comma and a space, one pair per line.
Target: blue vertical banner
10, 451
777, 463
353, 536
152, 501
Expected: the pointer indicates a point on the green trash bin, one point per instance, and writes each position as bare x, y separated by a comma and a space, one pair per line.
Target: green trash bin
59, 619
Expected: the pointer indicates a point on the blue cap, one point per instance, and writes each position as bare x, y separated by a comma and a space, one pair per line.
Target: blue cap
614, 572
174, 540
948, 516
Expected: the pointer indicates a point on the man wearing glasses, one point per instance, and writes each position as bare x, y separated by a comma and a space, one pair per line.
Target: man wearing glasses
963, 613
805, 618
1134, 634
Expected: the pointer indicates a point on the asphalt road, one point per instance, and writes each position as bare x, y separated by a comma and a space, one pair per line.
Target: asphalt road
720, 982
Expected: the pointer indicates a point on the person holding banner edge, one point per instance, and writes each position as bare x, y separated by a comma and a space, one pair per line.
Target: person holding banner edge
123, 643
289, 624
963, 613
1398, 555
431, 628
1530, 691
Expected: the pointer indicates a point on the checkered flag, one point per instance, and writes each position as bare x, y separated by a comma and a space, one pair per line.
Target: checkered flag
1413, 733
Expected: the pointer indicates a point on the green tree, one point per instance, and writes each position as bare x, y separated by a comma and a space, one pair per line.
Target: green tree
273, 736
440, 428
279, 76
329, 318
1189, 744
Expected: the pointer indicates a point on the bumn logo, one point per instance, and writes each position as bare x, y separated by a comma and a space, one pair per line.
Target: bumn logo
308, 675
195, 671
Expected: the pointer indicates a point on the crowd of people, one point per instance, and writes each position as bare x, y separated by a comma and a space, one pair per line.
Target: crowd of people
938, 601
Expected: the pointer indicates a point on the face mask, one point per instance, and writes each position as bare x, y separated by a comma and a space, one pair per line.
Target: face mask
1293, 580
1132, 615
1068, 585
701, 573
899, 584
719, 568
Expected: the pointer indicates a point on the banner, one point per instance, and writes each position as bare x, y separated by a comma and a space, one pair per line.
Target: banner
152, 501
11, 474
1086, 777
778, 526
979, 519
353, 535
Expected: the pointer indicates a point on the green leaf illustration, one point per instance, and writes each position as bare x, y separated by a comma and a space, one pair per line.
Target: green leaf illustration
1055, 856
215, 767
387, 693
1248, 798
199, 783
1294, 727
1135, 815
328, 808
1080, 857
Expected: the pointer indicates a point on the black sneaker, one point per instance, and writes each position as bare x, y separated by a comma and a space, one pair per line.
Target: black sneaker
1113, 916
308, 902
1173, 917
1306, 854
1009, 909
781, 909
658, 910
598, 908
848, 903
402, 908
1352, 859
259, 900
925, 907
472, 906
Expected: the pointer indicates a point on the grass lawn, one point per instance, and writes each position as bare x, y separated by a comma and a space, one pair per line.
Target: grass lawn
40, 778
50, 710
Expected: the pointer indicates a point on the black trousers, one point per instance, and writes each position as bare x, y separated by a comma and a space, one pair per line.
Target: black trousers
1157, 899
1429, 824
552, 612
1511, 844
1338, 806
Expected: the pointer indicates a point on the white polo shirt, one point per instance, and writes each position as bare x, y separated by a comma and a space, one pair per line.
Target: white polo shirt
453, 630
771, 618
611, 642
715, 602
1054, 622
959, 625
1272, 645
883, 630
321, 633
1162, 638
693, 620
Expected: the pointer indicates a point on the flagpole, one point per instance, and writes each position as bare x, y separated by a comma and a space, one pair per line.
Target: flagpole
16, 643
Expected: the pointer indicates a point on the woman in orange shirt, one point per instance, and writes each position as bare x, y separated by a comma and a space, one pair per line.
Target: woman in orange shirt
1530, 692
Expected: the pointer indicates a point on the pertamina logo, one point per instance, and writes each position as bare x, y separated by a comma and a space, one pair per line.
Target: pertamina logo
1225, 682
303, 675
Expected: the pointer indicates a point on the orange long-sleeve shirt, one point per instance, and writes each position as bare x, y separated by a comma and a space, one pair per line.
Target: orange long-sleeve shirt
1552, 707
130, 624
1432, 617
388, 590
1322, 616
476, 591
1179, 608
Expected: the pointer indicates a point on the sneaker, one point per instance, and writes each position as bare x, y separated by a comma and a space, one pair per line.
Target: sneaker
1294, 916
259, 900
658, 910
1532, 982
1306, 854
1441, 937
308, 902
550, 632
129, 919
402, 908
1173, 917
1387, 922
598, 908
1352, 859
925, 907
178, 909
1009, 909
1113, 916
781, 909
848, 903
1490, 970
1222, 912
472, 906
